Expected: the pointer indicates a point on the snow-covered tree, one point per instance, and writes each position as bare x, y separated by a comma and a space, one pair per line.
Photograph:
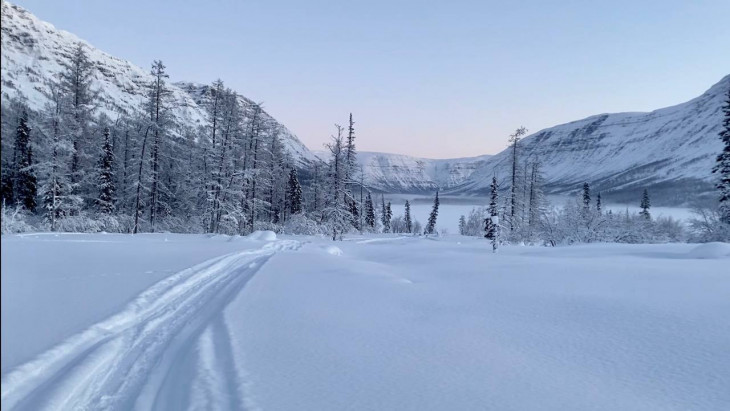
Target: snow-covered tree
385, 214
157, 105
336, 213
598, 203
369, 212
462, 225
107, 188
25, 183
407, 218
491, 222
431, 224
515, 139
295, 193
645, 205
722, 167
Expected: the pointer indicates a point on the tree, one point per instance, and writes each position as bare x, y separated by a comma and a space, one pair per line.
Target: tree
514, 139
295, 193
25, 179
645, 205
106, 176
491, 222
76, 82
369, 212
586, 198
408, 221
722, 168
462, 225
336, 213
157, 106
385, 214
598, 203
431, 224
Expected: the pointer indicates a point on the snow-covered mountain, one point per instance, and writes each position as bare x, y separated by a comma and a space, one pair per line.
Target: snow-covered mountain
34, 52
406, 174
672, 150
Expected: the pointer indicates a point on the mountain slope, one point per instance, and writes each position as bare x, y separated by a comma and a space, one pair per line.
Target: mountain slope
34, 53
671, 149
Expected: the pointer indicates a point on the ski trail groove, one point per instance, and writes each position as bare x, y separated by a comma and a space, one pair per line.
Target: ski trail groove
133, 359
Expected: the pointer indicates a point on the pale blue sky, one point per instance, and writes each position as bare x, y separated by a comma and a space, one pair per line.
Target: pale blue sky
433, 79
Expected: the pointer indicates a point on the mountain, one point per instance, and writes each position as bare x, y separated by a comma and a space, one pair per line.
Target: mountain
34, 52
670, 150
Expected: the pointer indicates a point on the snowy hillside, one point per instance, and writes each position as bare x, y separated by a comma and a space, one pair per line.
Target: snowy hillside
34, 52
405, 174
674, 147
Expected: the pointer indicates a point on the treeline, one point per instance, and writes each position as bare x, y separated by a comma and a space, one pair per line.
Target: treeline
525, 216
70, 167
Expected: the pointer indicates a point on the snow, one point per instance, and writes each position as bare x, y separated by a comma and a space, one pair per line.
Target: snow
710, 250
333, 250
262, 236
394, 322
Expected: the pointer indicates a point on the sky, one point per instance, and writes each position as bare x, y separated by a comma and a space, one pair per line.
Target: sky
435, 79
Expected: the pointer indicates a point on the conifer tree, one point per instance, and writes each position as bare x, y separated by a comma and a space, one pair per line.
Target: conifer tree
598, 203
106, 176
722, 168
490, 223
369, 212
384, 217
295, 193
25, 179
645, 205
462, 225
586, 198
431, 224
408, 221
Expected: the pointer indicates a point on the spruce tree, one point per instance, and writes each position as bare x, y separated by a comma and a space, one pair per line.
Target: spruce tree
388, 214
645, 205
431, 224
369, 212
586, 198
294, 193
490, 223
106, 176
25, 179
384, 219
462, 225
598, 203
722, 168
409, 222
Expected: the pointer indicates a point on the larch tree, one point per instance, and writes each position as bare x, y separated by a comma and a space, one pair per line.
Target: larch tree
76, 80
158, 106
514, 139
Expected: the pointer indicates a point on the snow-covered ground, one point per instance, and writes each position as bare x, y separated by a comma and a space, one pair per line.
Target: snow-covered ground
94, 321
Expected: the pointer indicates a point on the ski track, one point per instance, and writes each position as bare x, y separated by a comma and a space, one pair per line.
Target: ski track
144, 356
